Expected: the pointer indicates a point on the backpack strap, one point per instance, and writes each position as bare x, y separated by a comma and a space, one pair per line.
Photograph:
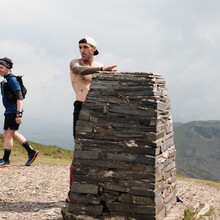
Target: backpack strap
10, 78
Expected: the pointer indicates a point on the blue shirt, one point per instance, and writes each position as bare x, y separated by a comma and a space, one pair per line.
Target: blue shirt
10, 106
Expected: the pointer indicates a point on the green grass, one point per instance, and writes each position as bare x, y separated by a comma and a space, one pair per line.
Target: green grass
188, 214
208, 182
48, 154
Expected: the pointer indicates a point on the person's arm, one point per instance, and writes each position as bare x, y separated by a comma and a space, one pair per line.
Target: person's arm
83, 70
19, 111
87, 70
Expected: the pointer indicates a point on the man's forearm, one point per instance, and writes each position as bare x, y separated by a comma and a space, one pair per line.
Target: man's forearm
19, 105
84, 70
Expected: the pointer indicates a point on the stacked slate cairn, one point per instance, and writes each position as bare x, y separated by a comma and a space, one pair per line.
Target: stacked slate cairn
124, 159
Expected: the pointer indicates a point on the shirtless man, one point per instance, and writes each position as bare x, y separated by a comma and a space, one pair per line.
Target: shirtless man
81, 71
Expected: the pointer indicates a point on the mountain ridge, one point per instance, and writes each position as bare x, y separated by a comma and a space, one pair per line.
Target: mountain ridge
198, 149
197, 145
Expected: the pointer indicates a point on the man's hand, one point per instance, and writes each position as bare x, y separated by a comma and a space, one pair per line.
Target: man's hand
18, 120
109, 68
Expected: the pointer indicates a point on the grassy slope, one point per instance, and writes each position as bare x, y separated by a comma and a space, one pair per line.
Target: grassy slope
47, 155
208, 182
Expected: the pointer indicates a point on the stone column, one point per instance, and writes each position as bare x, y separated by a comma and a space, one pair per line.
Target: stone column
124, 159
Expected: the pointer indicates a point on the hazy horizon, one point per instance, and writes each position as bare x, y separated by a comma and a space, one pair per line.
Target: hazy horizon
60, 137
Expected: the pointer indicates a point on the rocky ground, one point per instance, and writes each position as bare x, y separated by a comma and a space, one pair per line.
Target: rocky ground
35, 192
38, 192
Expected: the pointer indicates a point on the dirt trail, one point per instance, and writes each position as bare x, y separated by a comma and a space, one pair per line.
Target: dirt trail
35, 192
38, 192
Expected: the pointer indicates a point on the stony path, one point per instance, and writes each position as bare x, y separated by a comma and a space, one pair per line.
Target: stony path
35, 192
39, 191
203, 198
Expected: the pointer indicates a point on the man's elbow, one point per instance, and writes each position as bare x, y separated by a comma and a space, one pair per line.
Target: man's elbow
18, 95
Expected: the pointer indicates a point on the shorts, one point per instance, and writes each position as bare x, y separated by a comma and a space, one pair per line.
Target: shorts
10, 122
77, 109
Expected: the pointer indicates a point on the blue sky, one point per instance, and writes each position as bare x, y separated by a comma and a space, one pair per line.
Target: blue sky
179, 39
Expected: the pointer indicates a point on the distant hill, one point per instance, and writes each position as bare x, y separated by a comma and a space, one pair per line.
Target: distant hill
198, 149
197, 144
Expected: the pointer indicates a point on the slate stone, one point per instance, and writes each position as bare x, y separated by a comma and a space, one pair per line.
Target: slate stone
84, 188
85, 198
124, 161
91, 210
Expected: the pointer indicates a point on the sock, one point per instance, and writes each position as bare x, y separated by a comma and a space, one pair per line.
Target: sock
28, 147
7, 153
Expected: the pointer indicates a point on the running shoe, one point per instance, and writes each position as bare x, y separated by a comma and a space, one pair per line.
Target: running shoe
31, 158
4, 163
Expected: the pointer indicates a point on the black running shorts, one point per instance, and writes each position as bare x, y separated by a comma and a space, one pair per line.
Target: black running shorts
77, 109
10, 122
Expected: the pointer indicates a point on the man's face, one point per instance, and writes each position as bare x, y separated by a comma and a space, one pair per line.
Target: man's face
3, 70
86, 51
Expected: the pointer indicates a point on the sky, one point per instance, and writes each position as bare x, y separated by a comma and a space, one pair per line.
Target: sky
180, 39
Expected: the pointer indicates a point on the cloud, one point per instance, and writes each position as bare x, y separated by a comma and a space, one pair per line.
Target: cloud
179, 39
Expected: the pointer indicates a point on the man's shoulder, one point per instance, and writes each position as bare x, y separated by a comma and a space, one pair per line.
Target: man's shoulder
11, 78
74, 61
97, 64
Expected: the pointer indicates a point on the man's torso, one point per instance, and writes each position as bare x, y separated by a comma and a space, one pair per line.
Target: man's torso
81, 83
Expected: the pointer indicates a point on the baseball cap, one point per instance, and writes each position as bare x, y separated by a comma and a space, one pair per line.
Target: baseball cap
91, 41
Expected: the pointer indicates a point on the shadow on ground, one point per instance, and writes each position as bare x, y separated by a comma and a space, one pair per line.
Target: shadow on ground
29, 206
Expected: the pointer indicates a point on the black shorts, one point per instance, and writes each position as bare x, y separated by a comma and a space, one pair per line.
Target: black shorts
10, 122
77, 109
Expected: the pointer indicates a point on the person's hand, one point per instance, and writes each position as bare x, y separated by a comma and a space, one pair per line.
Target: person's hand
18, 120
109, 68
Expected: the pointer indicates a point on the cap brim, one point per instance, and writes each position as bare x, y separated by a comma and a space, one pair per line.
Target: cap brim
96, 52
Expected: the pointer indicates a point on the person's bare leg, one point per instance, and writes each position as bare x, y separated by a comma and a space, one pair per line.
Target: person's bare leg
8, 145
19, 137
32, 154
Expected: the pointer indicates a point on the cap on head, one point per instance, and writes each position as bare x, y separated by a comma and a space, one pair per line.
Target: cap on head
6, 62
91, 41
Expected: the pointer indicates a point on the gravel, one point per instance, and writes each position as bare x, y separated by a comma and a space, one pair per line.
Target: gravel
39, 192
35, 192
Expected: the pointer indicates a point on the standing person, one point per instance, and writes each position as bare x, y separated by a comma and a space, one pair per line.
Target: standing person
13, 115
81, 71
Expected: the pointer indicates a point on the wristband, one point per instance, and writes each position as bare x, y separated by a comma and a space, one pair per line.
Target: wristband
101, 69
19, 114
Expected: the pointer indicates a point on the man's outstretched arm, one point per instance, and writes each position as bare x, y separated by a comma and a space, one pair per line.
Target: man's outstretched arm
76, 68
